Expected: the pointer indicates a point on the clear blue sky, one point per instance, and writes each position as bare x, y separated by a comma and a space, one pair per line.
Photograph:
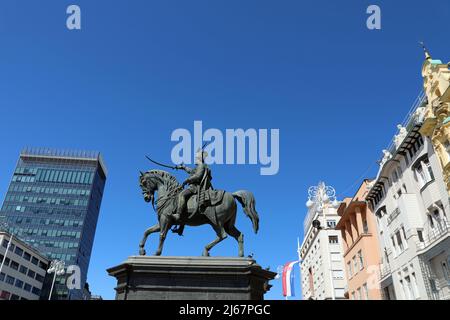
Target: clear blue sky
140, 69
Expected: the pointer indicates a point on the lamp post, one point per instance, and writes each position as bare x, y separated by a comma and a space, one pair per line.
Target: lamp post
5, 226
320, 198
56, 267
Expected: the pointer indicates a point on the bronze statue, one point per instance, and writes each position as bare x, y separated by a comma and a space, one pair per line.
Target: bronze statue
177, 206
199, 182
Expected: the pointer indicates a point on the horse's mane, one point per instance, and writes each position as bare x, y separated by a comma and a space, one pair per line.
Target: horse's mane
171, 183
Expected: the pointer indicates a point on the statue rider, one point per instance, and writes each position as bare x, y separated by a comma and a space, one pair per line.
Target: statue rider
199, 182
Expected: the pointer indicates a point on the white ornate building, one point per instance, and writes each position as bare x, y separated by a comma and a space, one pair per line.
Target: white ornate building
410, 200
322, 263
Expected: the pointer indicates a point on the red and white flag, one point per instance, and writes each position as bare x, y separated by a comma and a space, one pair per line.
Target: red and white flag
288, 279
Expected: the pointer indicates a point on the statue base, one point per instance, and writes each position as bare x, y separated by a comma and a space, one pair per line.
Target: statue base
190, 278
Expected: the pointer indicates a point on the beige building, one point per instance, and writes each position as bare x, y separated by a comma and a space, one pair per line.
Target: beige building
360, 246
436, 126
23, 270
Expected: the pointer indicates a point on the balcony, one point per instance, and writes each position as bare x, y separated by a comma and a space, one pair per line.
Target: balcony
393, 215
434, 234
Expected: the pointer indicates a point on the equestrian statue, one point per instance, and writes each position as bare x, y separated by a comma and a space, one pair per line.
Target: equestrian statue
198, 204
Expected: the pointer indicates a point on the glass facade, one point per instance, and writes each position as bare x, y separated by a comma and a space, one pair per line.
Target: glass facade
53, 203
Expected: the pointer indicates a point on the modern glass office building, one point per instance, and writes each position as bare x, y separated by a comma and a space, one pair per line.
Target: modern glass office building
53, 203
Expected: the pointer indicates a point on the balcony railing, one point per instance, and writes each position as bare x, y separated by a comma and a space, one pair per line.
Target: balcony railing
385, 270
393, 215
410, 120
433, 234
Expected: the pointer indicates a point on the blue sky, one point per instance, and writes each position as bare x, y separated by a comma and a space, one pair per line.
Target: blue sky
140, 69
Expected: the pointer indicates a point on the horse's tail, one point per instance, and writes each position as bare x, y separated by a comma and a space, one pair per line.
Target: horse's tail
247, 200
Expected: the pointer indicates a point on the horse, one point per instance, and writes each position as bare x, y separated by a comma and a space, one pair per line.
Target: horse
168, 188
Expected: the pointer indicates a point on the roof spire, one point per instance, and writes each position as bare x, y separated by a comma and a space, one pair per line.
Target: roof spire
427, 54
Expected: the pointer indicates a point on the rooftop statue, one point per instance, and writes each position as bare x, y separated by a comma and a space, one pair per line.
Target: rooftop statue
196, 205
402, 133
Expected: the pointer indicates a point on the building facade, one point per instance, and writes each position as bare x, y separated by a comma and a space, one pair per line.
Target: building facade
410, 201
436, 126
322, 266
23, 270
53, 203
360, 246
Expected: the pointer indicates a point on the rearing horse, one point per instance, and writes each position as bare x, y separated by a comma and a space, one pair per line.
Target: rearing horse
168, 189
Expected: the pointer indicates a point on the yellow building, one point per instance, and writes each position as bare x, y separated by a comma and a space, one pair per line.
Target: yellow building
436, 126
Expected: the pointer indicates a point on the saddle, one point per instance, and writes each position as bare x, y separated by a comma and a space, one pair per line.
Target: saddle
208, 199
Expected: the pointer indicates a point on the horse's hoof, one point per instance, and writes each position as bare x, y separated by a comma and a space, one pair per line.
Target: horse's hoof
205, 253
157, 253
142, 252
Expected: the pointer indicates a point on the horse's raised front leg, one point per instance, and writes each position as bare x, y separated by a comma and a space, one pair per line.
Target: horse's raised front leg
221, 235
147, 232
165, 226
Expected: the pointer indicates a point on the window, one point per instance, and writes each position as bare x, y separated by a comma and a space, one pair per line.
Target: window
10, 280
394, 247
355, 264
34, 261
333, 239
353, 295
423, 171
399, 241
361, 261
27, 287
39, 278
2, 276
408, 288
349, 269
404, 237
14, 265
446, 269
15, 297
19, 283
18, 251
31, 273
359, 294
23, 269
36, 291
365, 226
420, 235
5, 243
331, 223
366, 291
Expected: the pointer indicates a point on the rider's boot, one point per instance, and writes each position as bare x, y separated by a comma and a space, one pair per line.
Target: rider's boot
178, 216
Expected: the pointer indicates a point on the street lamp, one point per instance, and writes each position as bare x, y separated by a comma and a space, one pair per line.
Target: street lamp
4, 226
322, 197
56, 267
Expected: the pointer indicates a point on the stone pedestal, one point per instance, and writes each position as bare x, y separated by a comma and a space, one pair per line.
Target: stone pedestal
190, 278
